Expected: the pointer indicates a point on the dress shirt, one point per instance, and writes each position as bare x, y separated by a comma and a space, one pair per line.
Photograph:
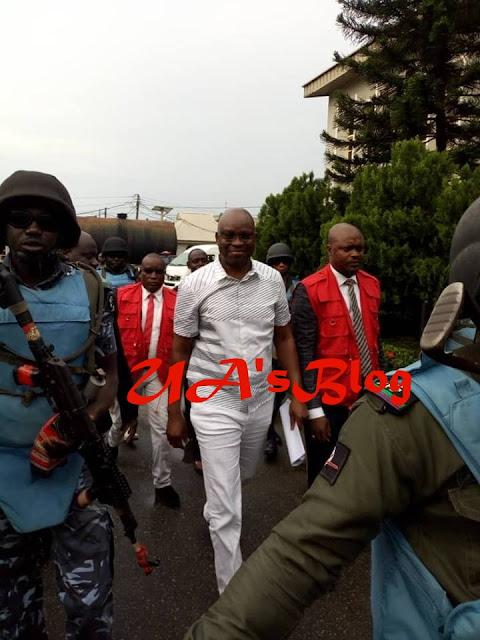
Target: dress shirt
157, 318
231, 318
341, 279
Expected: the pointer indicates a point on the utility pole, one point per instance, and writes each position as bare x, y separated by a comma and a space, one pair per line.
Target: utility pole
105, 213
137, 206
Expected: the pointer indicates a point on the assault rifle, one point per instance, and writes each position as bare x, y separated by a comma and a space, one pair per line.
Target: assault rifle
73, 423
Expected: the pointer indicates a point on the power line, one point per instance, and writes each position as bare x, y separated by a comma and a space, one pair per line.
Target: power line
154, 201
135, 202
99, 197
115, 206
184, 206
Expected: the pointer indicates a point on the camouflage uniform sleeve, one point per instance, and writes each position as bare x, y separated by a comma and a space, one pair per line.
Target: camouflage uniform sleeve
105, 342
392, 461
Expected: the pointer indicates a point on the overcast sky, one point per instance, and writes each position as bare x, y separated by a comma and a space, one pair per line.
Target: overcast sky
194, 103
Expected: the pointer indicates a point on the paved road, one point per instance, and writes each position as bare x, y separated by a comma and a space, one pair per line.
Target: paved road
163, 605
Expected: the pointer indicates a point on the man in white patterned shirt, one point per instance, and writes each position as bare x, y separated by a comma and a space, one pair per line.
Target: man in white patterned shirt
234, 307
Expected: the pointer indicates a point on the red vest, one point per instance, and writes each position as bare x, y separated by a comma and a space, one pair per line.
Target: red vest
336, 337
129, 300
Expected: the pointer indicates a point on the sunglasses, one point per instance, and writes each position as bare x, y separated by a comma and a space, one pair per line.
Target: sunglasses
278, 261
148, 271
21, 219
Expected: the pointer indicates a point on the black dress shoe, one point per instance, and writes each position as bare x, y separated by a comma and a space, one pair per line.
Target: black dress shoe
276, 438
168, 497
271, 450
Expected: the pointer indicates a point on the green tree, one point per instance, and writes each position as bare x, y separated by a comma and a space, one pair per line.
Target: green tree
407, 212
421, 59
295, 216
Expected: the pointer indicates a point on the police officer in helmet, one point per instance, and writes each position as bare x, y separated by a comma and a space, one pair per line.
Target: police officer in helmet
280, 258
37, 218
406, 477
116, 268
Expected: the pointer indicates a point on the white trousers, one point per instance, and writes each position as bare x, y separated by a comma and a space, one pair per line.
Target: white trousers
161, 449
231, 445
157, 418
115, 434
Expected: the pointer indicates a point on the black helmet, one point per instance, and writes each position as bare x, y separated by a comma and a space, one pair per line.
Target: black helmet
114, 245
279, 250
27, 188
465, 251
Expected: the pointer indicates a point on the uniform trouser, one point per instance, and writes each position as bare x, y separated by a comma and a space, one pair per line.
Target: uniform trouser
161, 449
231, 445
319, 452
82, 549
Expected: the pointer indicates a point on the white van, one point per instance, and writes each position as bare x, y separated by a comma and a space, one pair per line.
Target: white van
177, 270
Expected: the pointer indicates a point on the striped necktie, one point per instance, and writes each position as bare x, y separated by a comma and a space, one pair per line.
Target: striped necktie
365, 360
147, 331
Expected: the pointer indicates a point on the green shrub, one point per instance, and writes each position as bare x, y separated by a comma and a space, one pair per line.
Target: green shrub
400, 351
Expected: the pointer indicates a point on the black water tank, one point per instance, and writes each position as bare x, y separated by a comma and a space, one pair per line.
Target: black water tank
142, 236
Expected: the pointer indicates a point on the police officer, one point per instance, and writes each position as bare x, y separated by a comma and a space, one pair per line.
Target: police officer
397, 473
280, 258
118, 273
37, 218
125, 414
116, 268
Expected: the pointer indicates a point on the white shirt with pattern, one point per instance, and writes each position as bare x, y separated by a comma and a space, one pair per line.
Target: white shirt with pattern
231, 318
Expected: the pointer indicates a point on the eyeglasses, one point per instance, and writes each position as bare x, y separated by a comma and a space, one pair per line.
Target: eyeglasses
21, 219
229, 236
148, 271
277, 261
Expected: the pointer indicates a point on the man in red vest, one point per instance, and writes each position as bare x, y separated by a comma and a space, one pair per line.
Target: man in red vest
335, 315
145, 321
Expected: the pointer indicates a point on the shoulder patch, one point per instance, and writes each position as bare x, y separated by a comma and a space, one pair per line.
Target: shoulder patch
334, 465
386, 395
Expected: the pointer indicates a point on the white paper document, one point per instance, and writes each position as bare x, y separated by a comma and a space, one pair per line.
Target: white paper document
293, 438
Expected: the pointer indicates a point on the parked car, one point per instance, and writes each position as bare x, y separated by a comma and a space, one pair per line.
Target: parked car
177, 270
170, 257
